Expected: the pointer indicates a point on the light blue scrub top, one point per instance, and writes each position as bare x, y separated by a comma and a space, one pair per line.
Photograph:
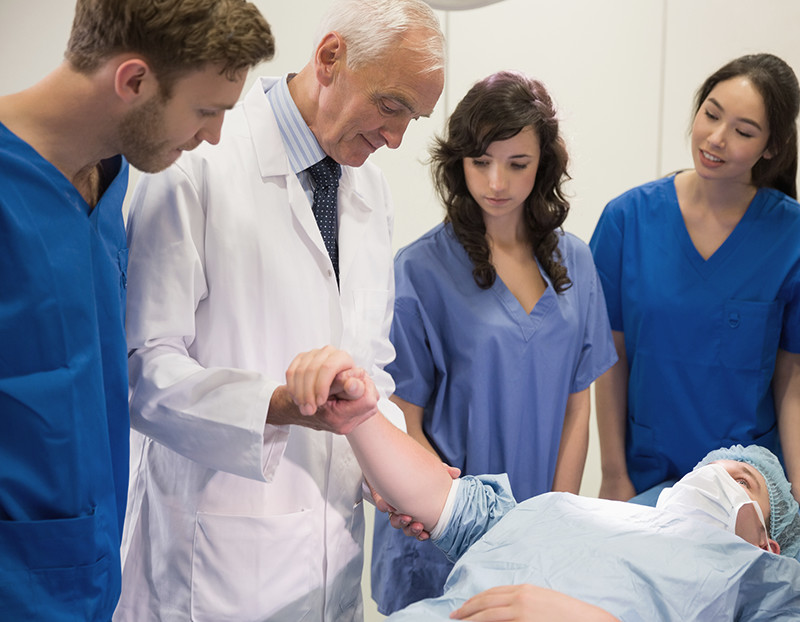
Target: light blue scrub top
638, 563
64, 425
701, 336
493, 381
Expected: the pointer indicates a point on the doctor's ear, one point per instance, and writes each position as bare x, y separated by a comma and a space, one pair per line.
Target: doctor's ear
134, 80
329, 57
774, 546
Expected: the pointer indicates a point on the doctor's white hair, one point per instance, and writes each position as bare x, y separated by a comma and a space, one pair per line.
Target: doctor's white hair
370, 28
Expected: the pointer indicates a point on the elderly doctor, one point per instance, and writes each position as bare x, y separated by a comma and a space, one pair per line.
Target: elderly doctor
234, 514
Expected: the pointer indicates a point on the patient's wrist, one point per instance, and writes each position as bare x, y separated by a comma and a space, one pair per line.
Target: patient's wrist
447, 511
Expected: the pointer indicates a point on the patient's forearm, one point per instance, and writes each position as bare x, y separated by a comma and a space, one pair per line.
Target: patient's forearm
408, 477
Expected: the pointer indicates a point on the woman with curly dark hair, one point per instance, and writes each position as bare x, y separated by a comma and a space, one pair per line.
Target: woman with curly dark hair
500, 323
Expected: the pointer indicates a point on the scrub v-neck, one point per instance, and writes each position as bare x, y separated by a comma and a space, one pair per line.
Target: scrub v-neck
706, 267
527, 322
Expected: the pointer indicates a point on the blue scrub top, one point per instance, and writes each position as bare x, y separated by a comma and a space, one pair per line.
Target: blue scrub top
492, 379
701, 336
63, 390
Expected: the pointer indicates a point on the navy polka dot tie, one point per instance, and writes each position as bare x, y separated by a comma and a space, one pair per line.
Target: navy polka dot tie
325, 174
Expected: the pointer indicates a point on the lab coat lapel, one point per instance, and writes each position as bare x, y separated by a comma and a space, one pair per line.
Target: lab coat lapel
354, 216
301, 208
273, 162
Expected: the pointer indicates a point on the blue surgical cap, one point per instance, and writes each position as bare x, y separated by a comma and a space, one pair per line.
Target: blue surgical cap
784, 522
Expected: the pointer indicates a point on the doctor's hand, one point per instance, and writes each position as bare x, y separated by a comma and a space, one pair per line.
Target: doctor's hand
327, 391
528, 603
404, 522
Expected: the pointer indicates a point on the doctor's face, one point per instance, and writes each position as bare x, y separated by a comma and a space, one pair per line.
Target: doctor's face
364, 109
154, 134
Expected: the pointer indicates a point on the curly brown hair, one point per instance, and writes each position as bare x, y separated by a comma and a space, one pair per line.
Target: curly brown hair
175, 37
498, 108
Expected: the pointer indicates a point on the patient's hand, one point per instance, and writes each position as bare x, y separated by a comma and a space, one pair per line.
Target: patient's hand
328, 392
529, 603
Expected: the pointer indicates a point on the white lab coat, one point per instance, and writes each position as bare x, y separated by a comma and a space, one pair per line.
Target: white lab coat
229, 279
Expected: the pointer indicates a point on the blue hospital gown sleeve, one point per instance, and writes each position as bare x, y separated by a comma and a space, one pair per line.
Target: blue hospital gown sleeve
481, 502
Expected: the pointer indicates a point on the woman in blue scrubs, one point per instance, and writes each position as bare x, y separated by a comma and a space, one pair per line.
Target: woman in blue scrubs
500, 324
701, 273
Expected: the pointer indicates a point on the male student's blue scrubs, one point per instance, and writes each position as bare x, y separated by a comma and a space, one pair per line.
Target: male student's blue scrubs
63, 390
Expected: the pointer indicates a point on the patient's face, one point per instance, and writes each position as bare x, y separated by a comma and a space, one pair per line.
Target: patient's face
748, 524
751, 480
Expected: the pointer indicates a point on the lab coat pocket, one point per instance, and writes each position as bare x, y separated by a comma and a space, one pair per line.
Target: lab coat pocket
750, 334
247, 568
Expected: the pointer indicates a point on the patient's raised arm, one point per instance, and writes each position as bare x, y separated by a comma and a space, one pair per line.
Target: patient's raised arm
408, 477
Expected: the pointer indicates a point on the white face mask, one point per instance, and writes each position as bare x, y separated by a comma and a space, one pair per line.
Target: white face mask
709, 494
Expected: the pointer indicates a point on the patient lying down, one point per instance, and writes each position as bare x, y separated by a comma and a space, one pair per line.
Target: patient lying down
708, 551
718, 546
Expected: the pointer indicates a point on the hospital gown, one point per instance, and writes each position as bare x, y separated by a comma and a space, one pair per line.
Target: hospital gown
636, 562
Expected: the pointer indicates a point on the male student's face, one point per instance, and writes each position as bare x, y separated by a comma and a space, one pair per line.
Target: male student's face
155, 133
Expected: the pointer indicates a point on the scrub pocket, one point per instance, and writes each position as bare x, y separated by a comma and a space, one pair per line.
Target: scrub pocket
750, 334
51, 567
248, 569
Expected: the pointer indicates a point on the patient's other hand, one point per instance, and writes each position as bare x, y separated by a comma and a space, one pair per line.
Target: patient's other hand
529, 603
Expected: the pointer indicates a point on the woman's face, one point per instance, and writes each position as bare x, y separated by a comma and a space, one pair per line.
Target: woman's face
730, 132
501, 179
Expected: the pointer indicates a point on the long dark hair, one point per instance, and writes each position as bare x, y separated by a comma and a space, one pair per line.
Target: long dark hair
777, 84
498, 108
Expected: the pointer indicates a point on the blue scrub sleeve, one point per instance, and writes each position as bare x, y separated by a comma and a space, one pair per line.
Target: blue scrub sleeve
597, 353
413, 368
481, 502
790, 330
606, 246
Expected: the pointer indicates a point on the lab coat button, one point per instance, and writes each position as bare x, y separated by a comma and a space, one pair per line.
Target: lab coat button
733, 319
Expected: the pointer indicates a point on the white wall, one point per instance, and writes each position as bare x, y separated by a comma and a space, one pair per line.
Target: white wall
622, 71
